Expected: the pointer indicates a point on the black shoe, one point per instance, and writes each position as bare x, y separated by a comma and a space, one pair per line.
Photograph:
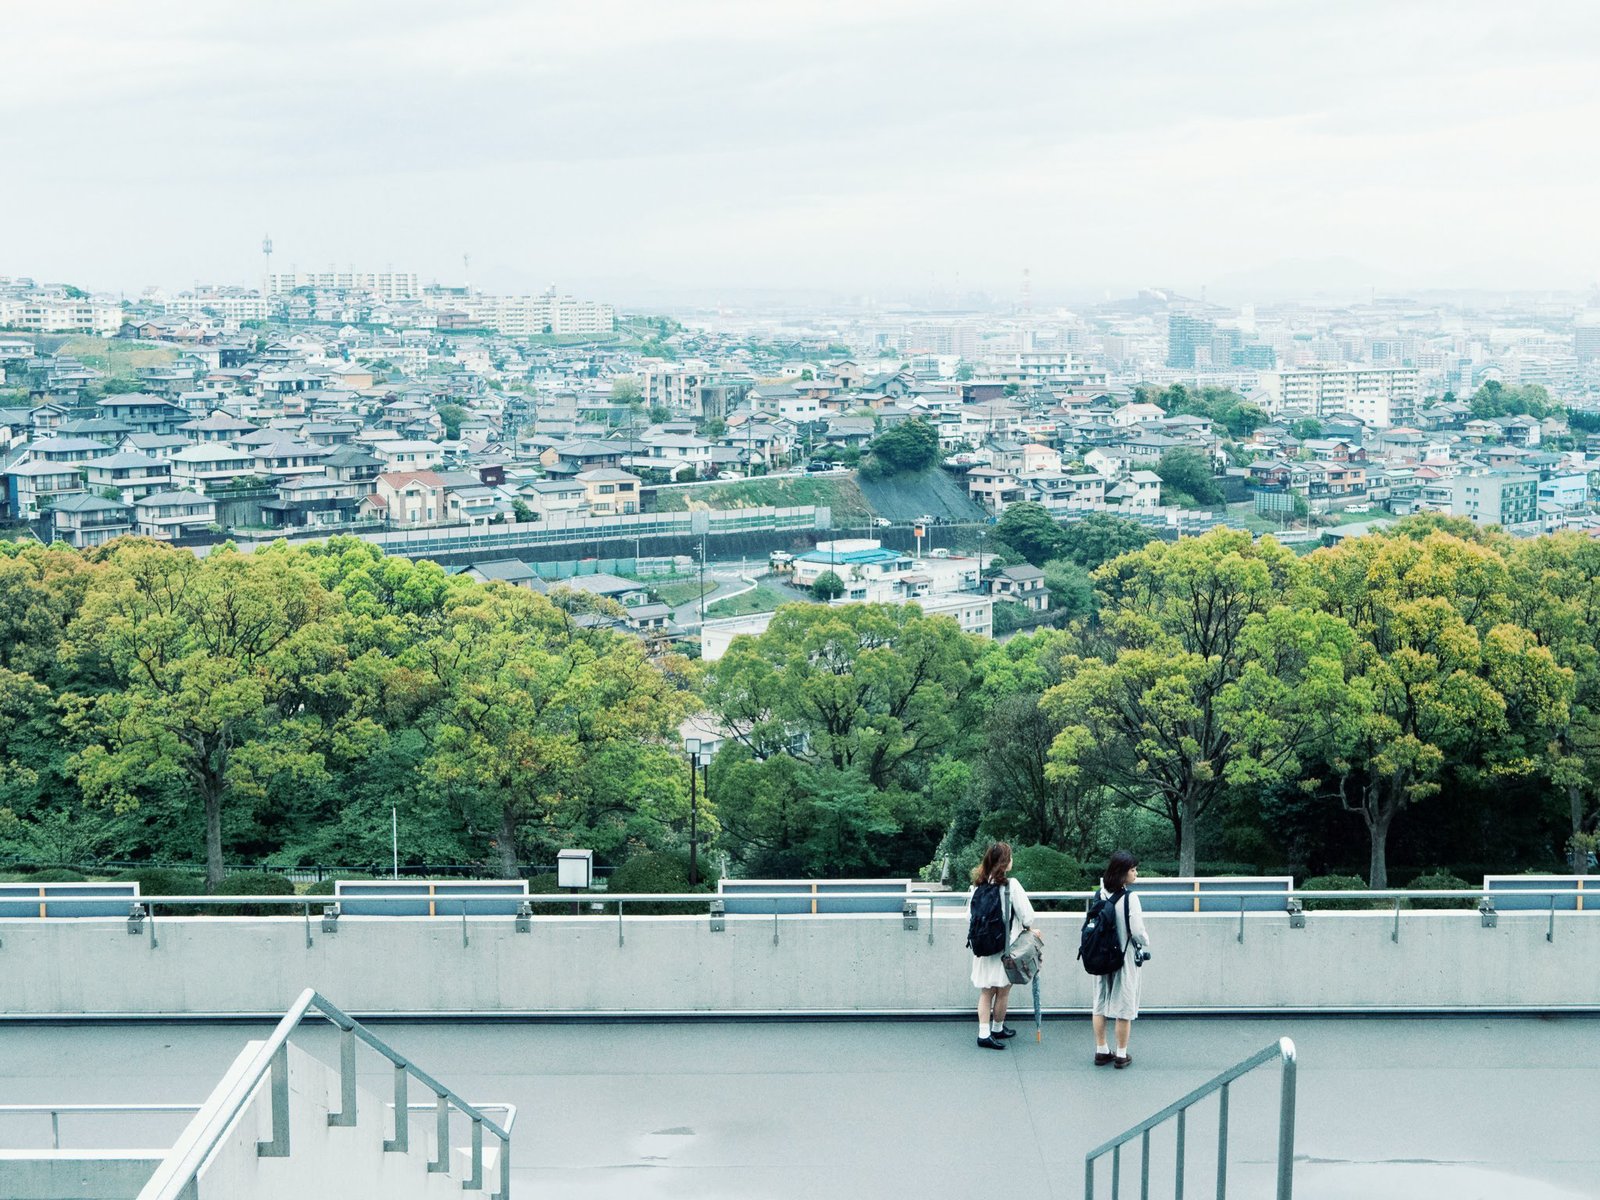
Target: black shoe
1123, 1060
1005, 1032
989, 1043
1103, 1060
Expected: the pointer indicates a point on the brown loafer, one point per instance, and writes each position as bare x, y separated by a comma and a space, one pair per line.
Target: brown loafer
1103, 1060
1123, 1060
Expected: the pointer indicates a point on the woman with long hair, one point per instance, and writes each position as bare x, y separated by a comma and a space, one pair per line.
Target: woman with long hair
988, 971
1116, 996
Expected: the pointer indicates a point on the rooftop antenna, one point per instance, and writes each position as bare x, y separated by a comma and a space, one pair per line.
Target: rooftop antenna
466, 266
266, 272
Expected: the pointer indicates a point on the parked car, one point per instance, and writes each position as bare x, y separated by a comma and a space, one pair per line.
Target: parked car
938, 552
819, 466
882, 522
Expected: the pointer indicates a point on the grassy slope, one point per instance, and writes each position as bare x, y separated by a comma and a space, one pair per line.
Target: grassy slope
837, 492
115, 357
762, 599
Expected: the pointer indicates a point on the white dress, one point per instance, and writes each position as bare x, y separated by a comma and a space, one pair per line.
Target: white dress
990, 972
1116, 997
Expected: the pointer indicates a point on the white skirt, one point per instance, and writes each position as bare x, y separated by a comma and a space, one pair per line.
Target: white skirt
989, 972
1116, 997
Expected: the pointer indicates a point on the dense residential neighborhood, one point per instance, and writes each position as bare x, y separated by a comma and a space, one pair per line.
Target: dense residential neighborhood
370, 403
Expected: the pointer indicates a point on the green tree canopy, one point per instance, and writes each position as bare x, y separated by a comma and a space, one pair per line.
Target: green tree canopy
1172, 707
828, 586
1186, 479
1031, 531
911, 445
1097, 538
451, 416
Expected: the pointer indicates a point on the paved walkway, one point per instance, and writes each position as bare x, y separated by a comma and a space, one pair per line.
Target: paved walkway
1456, 1109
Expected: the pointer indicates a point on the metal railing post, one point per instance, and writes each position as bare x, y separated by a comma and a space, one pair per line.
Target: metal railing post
476, 1181
441, 1132
1144, 1167
1177, 1182
1286, 1121
505, 1171
1395, 936
619, 922
55, 1130
346, 1116
1222, 1145
278, 1147
1550, 933
401, 1141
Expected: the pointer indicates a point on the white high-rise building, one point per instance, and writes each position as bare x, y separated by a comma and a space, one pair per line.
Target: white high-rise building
524, 316
1380, 396
386, 285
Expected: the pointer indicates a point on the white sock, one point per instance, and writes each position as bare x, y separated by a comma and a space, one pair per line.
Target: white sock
1102, 1048
983, 1029
997, 1026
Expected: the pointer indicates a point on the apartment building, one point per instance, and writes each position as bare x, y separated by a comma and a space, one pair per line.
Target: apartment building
47, 314
1380, 396
1509, 498
672, 385
231, 305
528, 316
386, 285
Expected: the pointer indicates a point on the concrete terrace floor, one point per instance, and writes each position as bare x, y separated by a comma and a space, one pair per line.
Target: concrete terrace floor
1428, 1109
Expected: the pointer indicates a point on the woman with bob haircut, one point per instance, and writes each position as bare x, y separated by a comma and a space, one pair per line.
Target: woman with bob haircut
988, 971
1116, 996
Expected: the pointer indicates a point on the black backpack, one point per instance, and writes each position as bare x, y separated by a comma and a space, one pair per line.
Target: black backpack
986, 932
1100, 948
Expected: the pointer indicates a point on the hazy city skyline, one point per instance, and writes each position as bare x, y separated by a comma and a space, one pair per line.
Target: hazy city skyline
886, 146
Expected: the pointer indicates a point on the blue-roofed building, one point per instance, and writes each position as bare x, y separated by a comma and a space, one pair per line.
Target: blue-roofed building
850, 558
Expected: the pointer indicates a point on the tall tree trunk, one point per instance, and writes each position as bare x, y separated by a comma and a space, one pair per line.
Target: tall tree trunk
1378, 870
508, 841
1186, 830
1579, 856
212, 795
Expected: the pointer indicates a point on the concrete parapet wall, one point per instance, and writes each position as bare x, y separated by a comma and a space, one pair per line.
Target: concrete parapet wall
818, 964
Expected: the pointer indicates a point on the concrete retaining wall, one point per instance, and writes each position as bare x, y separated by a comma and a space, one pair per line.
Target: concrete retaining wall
818, 964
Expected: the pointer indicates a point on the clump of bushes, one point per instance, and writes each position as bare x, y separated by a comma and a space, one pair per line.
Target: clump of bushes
163, 881
254, 883
661, 872
56, 875
1046, 869
1442, 880
1338, 883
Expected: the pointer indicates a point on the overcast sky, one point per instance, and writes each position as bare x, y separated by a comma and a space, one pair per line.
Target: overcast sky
618, 147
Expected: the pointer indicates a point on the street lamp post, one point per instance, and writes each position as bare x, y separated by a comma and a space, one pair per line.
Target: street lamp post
691, 746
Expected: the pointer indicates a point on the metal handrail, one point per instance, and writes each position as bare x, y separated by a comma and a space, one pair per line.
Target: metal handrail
178, 1171
1282, 1051
57, 1111
948, 899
